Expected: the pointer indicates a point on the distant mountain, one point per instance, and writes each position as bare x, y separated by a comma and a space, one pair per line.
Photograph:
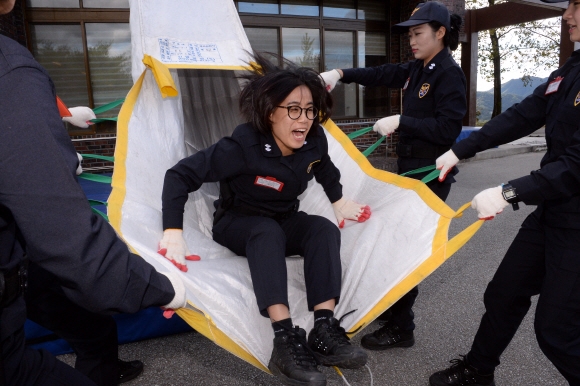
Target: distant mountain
512, 91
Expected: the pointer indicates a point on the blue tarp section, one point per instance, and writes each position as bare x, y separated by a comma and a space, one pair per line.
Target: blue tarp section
145, 324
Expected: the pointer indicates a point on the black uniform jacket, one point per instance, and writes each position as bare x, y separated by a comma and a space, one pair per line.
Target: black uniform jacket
44, 211
258, 174
434, 101
557, 184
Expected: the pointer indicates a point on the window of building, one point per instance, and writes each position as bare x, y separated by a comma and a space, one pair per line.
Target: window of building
87, 55
350, 33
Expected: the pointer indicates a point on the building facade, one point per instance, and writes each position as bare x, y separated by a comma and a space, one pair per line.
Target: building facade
86, 47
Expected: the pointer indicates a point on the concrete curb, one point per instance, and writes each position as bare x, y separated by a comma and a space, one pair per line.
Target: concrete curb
505, 151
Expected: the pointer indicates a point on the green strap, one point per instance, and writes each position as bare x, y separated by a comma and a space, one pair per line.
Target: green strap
429, 177
420, 170
97, 156
99, 120
373, 147
100, 213
108, 106
97, 202
360, 132
96, 178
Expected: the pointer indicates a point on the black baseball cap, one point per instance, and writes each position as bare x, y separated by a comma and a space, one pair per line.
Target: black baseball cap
424, 13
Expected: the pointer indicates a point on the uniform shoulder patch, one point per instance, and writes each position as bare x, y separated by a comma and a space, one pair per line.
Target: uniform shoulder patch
424, 90
577, 99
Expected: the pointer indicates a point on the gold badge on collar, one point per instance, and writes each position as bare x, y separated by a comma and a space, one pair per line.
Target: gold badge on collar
424, 90
310, 166
415, 10
577, 100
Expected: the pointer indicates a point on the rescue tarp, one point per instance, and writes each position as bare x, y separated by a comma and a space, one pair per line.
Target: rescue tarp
185, 56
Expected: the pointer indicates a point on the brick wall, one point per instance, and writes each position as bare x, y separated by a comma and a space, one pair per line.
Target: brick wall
100, 144
12, 24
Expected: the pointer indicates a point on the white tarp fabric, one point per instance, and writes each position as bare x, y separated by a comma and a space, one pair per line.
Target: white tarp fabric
404, 241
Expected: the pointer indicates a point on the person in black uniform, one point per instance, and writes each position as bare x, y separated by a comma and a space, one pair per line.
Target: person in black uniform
544, 257
262, 168
434, 104
45, 218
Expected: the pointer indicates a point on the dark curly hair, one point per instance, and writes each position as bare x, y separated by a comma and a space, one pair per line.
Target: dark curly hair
269, 84
451, 38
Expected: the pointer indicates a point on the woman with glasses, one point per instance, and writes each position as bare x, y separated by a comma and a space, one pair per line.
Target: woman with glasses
262, 168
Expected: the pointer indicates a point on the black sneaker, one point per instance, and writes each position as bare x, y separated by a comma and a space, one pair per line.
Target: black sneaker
388, 336
293, 362
460, 373
129, 370
332, 346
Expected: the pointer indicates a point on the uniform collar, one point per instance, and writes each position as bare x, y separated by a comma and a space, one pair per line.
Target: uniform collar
270, 148
436, 61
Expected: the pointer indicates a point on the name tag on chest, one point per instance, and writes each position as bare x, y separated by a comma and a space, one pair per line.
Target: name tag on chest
554, 85
269, 182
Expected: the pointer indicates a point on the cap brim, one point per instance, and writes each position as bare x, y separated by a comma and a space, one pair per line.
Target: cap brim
404, 26
554, 1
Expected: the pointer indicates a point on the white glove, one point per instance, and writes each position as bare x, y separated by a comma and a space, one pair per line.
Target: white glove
387, 126
349, 210
330, 79
81, 116
179, 300
445, 163
79, 168
173, 247
488, 203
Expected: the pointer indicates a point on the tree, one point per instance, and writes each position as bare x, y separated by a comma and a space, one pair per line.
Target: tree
308, 58
504, 49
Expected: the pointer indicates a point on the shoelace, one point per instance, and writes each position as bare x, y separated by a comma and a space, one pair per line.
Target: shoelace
457, 371
384, 330
301, 352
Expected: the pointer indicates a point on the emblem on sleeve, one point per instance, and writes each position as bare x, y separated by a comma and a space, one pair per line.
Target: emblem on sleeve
310, 166
577, 99
424, 90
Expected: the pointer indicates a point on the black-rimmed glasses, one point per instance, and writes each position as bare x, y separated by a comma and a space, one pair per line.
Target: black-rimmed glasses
295, 112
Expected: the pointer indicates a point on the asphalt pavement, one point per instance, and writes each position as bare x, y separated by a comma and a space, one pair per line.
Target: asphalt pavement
448, 311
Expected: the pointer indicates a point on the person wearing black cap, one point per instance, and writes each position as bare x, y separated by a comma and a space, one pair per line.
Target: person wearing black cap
544, 257
434, 104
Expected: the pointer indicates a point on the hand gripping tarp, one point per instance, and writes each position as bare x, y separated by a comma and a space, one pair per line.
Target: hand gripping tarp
178, 106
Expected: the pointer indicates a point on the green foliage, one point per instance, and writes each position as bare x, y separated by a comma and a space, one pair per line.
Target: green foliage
308, 58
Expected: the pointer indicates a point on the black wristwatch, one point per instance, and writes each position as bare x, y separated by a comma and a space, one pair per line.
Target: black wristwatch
509, 194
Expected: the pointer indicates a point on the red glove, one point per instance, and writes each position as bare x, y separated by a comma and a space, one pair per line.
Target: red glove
172, 246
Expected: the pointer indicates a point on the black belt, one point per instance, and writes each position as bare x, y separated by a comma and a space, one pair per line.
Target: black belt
13, 283
420, 151
250, 210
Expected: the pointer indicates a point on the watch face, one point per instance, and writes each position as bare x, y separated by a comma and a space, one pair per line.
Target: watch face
509, 194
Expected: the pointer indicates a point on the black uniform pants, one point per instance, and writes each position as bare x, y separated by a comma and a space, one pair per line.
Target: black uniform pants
401, 313
541, 260
93, 337
266, 243
23, 366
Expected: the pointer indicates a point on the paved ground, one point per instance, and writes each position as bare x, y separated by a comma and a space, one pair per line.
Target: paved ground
448, 311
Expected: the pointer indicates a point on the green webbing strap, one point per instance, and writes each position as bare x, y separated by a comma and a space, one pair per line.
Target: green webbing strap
429, 177
100, 213
108, 106
102, 157
373, 147
97, 202
96, 178
360, 132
